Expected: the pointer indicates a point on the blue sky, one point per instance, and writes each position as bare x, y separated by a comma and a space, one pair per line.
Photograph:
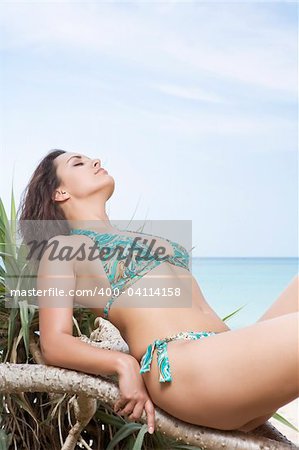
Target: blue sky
191, 106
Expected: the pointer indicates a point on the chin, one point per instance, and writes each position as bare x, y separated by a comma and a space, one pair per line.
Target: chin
110, 178
110, 186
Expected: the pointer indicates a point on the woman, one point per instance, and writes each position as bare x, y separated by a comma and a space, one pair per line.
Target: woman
206, 374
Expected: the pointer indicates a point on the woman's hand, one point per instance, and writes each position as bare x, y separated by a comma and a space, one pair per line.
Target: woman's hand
133, 394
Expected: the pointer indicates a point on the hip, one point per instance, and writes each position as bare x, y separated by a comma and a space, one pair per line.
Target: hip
153, 325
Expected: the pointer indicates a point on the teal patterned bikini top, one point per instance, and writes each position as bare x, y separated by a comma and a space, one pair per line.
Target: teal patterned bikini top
121, 276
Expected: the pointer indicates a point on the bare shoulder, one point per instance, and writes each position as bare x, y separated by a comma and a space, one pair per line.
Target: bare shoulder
69, 251
57, 253
67, 243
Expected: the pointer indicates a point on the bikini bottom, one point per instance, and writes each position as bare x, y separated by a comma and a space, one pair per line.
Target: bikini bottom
162, 355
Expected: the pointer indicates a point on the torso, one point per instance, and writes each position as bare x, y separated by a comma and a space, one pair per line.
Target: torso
138, 322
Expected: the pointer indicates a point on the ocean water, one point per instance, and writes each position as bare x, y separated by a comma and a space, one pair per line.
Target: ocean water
251, 283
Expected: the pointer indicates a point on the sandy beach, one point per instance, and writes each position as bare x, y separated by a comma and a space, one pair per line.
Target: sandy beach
291, 413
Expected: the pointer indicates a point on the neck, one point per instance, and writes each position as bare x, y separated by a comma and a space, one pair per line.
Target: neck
89, 216
99, 226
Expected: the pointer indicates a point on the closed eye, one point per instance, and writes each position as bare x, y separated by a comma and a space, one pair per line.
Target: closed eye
78, 164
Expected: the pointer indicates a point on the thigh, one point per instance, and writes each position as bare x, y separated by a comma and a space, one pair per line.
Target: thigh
226, 380
287, 302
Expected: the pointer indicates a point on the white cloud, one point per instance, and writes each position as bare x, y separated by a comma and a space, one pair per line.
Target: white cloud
267, 67
192, 93
182, 122
237, 43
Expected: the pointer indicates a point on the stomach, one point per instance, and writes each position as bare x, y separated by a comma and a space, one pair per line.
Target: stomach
152, 309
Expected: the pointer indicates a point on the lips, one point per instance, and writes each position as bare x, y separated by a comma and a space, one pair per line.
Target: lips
101, 170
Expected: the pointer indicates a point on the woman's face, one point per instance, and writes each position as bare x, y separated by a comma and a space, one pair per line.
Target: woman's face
82, 176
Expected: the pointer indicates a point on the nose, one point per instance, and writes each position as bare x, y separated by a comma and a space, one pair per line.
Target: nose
96, 162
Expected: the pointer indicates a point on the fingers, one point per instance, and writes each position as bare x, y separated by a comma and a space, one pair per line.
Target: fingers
128, 409
137, 411
134, 411
150, 412
120, 404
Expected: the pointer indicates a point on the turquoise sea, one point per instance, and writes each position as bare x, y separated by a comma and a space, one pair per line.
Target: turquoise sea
254, 283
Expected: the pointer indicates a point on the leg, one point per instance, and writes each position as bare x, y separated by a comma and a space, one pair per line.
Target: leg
253, 424
286, 303
231, 380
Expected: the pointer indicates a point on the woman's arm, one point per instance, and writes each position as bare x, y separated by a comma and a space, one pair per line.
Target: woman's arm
69, 352
60, 348
58, 345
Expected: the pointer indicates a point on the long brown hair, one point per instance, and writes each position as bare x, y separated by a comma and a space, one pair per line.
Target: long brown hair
39, 216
